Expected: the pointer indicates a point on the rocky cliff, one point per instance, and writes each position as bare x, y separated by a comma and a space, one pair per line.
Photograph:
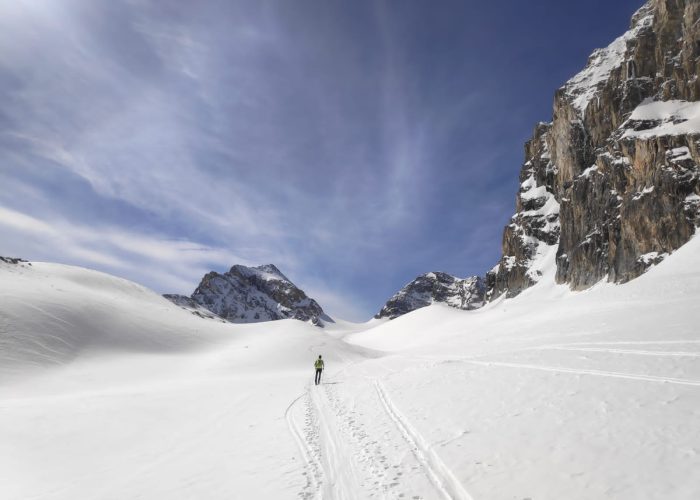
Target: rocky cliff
250, 295
612, 184
432, 288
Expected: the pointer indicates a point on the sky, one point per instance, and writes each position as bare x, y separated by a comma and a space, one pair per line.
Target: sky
354, 144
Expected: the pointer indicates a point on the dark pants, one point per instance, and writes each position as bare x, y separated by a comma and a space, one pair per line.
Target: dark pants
318, 375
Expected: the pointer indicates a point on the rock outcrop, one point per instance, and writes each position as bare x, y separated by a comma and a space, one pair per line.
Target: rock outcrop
530, 240
612, 184
189, 304
250, 295
431, 288
14, 260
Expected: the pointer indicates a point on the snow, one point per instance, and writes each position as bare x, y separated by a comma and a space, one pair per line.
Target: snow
109, 391
266, 272
650, 257
534, 193
647, 190
509, 261
542, 253
672, 117
679, 154
586, 173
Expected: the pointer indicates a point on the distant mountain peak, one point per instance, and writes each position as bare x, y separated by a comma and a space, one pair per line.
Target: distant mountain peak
435, 287
265, 271
250, 295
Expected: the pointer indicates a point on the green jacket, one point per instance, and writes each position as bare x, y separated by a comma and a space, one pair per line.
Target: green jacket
319, 364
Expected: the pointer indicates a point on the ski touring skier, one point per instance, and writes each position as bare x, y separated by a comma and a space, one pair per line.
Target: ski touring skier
319, 369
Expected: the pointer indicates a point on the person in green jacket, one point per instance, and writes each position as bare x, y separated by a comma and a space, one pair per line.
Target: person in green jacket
319, 368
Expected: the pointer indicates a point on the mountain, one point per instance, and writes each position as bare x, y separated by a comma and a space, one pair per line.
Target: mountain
108, 390
611, 185
250, 295
430, 288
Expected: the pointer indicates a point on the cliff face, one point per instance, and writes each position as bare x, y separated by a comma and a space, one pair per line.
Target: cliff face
531, 238
612, 184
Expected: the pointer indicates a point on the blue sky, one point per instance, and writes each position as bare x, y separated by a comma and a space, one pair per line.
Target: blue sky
353, 144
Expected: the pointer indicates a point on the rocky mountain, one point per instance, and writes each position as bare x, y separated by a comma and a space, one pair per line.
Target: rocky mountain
430, 288
250, 295
611, 185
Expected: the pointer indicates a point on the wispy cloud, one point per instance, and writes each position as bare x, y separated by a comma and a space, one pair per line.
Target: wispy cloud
157, 261
158, 140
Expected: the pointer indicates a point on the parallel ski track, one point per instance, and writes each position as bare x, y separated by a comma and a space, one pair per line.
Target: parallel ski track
342, 481
314, 468
624, 351
438, 473
633, 342
599, 373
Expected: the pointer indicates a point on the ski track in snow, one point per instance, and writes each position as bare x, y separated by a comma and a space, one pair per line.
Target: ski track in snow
635, 342
166, 427
600, 373
624, 351
348, 451
336, 446
342, 480
441, 476
312, 468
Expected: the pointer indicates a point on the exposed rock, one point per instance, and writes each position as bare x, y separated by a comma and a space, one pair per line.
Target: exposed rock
14, 260
619, 160
534, 229
430, 288
190, 305
252, 294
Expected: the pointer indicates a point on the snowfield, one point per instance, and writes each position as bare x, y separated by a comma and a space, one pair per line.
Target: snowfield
108, 391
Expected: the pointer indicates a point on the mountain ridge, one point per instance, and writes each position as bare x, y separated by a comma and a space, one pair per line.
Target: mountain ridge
249, 295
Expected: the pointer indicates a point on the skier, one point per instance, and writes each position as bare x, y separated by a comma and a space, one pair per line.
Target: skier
319, 368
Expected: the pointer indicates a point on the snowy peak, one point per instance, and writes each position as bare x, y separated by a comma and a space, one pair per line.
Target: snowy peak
264, 272
583, 87
435, 287
250, 295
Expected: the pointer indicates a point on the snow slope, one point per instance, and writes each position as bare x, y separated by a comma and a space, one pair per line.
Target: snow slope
661, 118
549, 395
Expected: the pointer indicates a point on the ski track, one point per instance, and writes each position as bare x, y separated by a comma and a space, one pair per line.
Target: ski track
442, 478
347, 451
634, 342
624, 351
342, 480
600, 373
313, 470
380, 452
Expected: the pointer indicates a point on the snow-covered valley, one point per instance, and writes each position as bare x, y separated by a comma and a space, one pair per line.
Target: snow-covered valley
109, 391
